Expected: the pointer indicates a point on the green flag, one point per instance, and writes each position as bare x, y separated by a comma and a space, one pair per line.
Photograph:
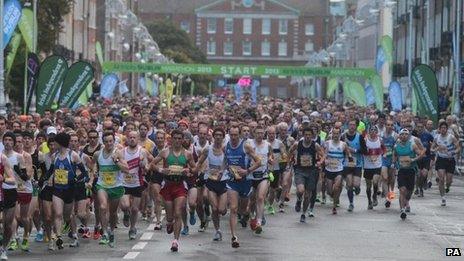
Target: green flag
51, 76
387, 45
84, 98
376, 83
79, 75
192, 87
331, 86
99, 52
425, 85
14, 45
149, 84
26, 26
162, 90
354, 91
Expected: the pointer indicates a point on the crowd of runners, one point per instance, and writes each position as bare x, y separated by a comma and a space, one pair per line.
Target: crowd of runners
206, 157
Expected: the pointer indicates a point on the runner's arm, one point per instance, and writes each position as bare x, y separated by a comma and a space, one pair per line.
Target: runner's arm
120, 161
156, 160
321, 153
201, 159
8, 176
256, 160
28, 164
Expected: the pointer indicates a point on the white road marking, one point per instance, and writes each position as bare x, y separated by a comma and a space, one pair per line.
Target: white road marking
131, 255
139, 246
146, 236
151, 227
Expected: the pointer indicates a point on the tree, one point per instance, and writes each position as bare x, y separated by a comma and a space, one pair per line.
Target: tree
49, 19
175, 43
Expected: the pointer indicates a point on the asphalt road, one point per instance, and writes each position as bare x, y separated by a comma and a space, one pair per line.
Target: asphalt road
377, 234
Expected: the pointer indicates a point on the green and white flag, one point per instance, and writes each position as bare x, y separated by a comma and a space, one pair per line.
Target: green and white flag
425, 86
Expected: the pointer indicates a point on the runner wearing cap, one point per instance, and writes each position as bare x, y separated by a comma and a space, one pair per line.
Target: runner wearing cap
372, 165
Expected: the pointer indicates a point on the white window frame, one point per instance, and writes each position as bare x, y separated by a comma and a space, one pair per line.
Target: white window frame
244, 53
268, 49
280, 52
231, 21
245, 27
185, 25
211, 48
269, 27
226, 52
210, 22
306, 45
283, 26
309, 26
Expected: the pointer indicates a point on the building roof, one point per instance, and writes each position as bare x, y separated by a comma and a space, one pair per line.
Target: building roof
306, 7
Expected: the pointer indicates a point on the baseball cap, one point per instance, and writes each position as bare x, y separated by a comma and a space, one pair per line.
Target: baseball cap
305, 119
51, 130
404, 131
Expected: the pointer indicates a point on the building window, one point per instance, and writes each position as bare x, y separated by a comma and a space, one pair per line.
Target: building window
185, 25
266, 27
246, 48
282, 92
211, 25
309, 29
264, 90
283, 26
247, 26
309, 46
211, 48
228, 48
283, 49
265, 48
228, 25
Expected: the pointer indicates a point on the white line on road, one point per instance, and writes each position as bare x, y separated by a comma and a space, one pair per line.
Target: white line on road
131, 255
151, 227
139, 246
146, 236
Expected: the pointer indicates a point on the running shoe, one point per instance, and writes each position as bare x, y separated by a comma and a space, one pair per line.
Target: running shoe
447, 190
429, 184
310, 213
111, 240
244, 220
259, 229
126, 219
403, 215
13, 245
25, 245
357, 190
39, 237
281, 208
318, 199
185, 231
421, 193
169, 228
375, 202
235, 243
387, 204
103, 240
3, 255
144, 217
202, 226
74, 243
370, 206
416, 192
271, 210
157, 226
443, 202
408, 209
192, 220
96, 234
59, 243
302, 218
132, 234
66, 228
263, 221
80, 230
174, 246
334, 211
253, 224
298, 205
86, 233
350, 208
217, 236
323, 201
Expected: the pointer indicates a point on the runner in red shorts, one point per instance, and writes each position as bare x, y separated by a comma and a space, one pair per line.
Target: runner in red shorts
177, 165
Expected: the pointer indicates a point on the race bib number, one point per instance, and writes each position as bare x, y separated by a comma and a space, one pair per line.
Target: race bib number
21, 186
129, 178
214, 173
109, 179
234, 171
351, 164
61, 177
175, 170
389, 152
405, 161
373, 158
331, 163
306, 160
283, 158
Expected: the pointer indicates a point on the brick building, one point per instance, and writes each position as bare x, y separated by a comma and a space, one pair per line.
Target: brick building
255, 32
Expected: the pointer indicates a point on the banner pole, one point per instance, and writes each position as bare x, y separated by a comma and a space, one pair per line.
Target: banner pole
32, 108
2, 68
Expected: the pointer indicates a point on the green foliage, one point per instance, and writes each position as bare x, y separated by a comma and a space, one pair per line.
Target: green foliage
176, 44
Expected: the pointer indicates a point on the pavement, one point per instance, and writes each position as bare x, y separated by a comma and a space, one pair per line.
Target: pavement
377, 234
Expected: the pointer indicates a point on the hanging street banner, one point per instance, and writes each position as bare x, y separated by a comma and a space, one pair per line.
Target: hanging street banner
425, 86
251, 70
11, 17
26, 26
395, 95
108, 85
51, 78
33, 66
79, 75
10, 57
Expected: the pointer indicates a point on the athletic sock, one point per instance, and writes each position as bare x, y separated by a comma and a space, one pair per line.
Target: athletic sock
350, 195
